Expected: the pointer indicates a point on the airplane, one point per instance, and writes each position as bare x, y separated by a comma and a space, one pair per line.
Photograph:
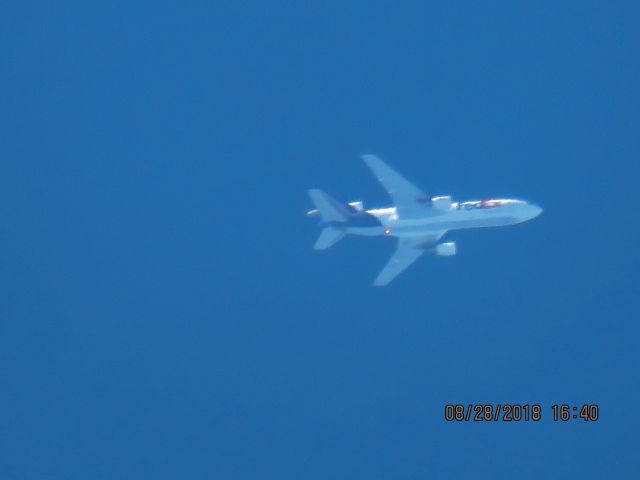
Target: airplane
417, 221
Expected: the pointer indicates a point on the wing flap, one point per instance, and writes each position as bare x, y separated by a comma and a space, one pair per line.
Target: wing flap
409, 200
408, 250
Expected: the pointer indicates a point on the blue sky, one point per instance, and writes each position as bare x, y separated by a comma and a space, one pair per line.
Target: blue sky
163, 314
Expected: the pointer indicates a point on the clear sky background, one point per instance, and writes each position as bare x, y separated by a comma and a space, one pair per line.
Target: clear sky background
162, 314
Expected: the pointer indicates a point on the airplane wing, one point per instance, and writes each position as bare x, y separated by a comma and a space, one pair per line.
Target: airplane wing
407, 251
409, 200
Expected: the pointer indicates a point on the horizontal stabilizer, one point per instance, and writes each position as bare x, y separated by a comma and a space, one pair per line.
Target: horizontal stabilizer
328, 237
330, 209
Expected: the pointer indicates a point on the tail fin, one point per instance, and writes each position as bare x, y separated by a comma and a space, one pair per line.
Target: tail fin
328, 237
330, 209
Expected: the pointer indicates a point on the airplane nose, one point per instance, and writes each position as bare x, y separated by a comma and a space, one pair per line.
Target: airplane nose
535, 210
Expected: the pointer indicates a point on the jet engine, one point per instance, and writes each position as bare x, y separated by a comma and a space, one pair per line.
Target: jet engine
441, 203
447, 249
357, 205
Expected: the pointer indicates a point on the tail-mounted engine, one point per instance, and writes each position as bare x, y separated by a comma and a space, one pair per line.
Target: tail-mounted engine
447, 249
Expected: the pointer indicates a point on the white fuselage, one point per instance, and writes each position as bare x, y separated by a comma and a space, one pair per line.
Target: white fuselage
459, 215
416, 220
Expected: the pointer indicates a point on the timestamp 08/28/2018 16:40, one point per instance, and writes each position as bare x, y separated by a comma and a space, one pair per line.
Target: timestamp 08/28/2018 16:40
519, 412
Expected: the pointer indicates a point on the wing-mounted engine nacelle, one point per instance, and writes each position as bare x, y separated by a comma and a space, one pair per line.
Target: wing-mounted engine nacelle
442, 203
357, 205
447, 249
